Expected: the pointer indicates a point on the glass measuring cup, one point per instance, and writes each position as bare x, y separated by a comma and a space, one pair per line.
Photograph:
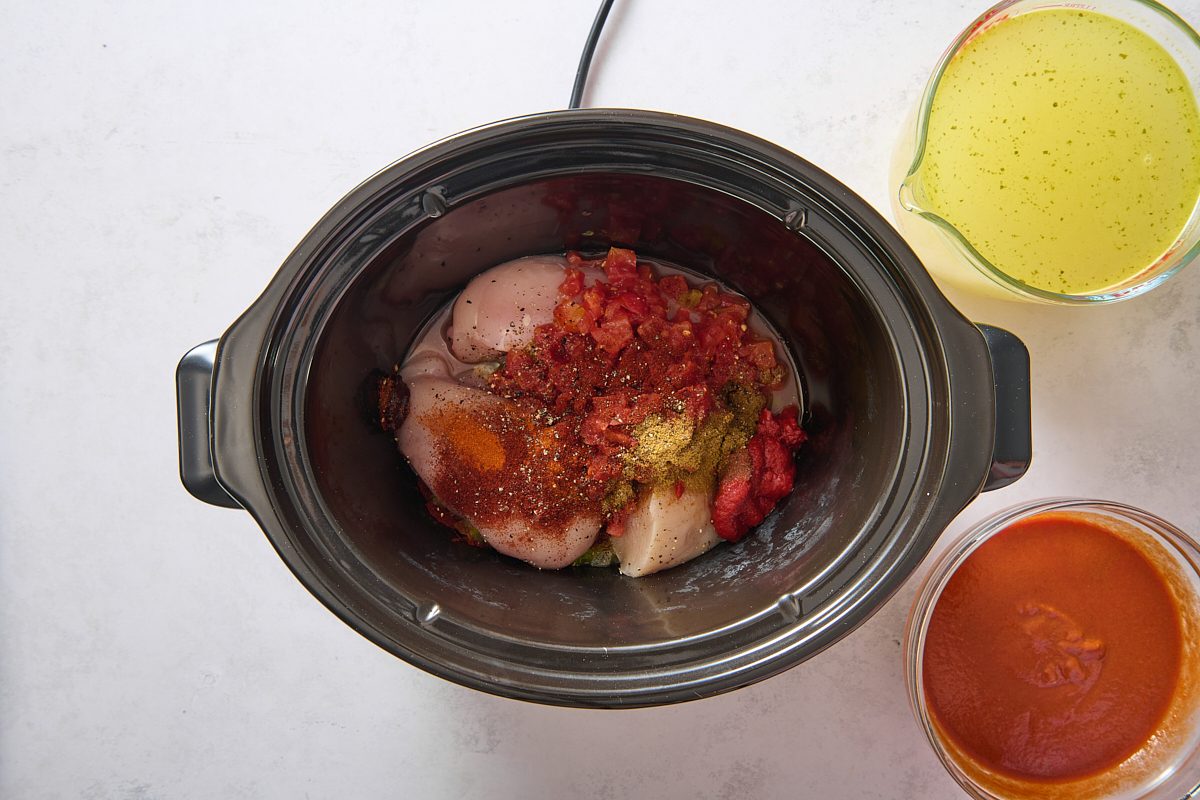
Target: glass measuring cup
962, 259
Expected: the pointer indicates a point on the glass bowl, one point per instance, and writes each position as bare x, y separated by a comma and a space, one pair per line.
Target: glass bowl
1168, 765
947, 251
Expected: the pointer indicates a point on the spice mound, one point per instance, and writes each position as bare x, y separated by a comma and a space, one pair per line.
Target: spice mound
573, 411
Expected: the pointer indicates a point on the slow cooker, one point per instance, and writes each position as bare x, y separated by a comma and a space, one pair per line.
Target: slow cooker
911, 409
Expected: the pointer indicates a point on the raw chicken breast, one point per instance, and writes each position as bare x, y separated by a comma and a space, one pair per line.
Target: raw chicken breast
548, 549
499, 309
426, 360
664, 530
474, 450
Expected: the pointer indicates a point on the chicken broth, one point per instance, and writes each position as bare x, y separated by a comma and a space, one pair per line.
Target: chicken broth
1064, 144
565, 410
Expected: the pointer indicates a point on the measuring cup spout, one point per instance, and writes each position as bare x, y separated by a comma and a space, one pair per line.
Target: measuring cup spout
911, 194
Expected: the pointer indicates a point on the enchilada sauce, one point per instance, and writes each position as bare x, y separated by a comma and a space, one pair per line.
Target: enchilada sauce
1054, 651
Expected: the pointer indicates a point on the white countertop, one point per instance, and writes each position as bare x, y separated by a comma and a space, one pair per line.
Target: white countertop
158, 162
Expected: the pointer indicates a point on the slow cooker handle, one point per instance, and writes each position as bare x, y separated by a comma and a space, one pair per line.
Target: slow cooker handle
193, 386
1012, 449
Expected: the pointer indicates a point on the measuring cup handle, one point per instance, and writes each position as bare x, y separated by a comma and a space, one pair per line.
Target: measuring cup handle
1013, 447
193, 385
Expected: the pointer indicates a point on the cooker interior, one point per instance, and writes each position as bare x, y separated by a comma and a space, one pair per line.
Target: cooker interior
854, 394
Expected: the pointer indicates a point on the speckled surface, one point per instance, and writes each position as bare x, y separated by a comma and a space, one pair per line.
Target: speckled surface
158, 161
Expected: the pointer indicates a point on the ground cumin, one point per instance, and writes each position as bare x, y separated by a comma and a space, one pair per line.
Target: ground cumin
671, 448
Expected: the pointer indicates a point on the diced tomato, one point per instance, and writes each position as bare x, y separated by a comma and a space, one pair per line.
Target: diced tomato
613, 436
684, 372
696, 400
604, 468
613, 334
572, 284
737, 304
572, 317
636, 307
680, 336
593, 301
718, 334
611, 405
630, 346
620, 266
708, 297
761, 354
673, 286
651, 330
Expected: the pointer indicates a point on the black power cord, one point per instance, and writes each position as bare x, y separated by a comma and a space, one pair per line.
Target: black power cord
589, 48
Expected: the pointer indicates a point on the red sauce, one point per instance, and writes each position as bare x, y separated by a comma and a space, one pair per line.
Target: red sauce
1054, 651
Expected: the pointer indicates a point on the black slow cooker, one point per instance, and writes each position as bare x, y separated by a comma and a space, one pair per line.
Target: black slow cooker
911, 409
